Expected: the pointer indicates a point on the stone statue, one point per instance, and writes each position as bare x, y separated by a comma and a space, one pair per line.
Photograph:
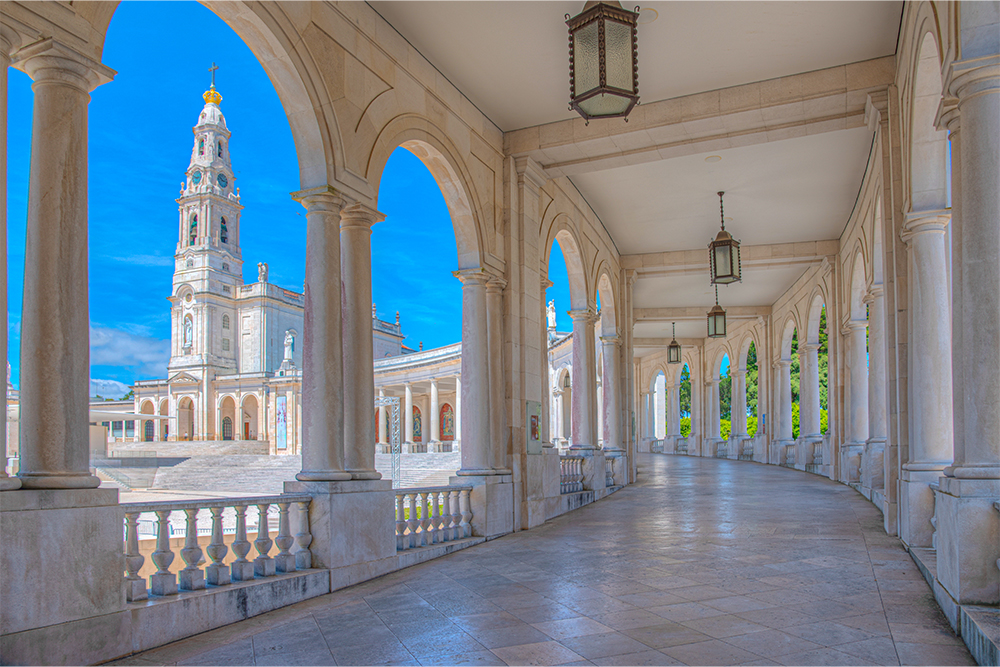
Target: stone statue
289, 345
188, 332
550, 313
262, 272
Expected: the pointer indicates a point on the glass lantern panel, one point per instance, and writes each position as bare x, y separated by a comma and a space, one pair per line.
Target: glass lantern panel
605, 105
720, 325
586, 58
618, 54
723, 263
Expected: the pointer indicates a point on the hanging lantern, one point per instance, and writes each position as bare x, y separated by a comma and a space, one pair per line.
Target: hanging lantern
724, 255
603, 60
717, 319
674, 349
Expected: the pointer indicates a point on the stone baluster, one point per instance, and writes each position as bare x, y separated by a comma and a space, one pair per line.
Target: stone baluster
401, 542
217, 574
466, 524
163, 582
241, 569
458, 531
285, 560
303, 538
424, 503
135, 587
191, 578
263, 564
439, 535
412, 523
447, 532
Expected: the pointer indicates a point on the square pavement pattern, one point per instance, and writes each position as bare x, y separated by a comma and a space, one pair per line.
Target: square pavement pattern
702, 562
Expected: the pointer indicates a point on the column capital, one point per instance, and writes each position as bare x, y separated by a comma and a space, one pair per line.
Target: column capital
853, 325
714, 381
948, 116
546, 283
50, 61
359, 216
611, 340
495, 284
808, 347
966, 79
924, 222
529, 171
782, 363
322, 199
876, 291
470, 277
739, 372
586, 315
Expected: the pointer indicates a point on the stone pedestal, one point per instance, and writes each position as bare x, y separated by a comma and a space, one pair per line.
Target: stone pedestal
916, 506
492, 502
873, 470
352, 526
543, 483
593, 469
968, 540
62, 566
850, 462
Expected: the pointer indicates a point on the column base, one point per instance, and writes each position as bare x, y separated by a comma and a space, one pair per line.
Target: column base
916, 504
217, 575
492, 503
323, 476
241, 571
365, 474
163, 584
191, 580
58, 480
9, 483
264, 566
968, 540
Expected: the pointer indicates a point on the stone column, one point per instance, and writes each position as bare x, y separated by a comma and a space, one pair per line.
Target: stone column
6, 46
968, 532
457, 442
857, 426
408, 416
783, 423
55, 335
322, 354
498, 401
475, 393
873, 475
929, 370
809, 390
674, 410
359, 382
584, 372
383, 411
435, 423
613, 440
738, 418
712, 407
659, 407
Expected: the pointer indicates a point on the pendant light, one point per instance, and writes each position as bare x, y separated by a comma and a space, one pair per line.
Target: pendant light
717, 319
603, 60
674, 349
724, 254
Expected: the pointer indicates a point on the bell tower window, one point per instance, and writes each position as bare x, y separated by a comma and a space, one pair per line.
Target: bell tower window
220, 149
193, 230
223, 232
201, 146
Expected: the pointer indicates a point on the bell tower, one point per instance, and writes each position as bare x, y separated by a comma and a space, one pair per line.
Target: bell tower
208, 266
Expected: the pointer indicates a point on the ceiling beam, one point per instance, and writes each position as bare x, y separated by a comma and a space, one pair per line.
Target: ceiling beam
663, 342
696, 313
676, 262
825, 100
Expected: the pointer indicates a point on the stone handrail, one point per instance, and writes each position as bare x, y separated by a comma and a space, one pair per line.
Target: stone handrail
570, 474
192, 577
431, 515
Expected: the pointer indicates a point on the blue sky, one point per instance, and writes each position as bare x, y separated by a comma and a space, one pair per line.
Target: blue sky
140, 144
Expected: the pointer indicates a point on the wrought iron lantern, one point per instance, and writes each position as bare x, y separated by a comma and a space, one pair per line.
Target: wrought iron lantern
603, 60
674, 349
724, 254
717, 319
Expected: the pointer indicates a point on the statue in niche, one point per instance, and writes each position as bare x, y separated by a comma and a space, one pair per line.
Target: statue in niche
550, 313
188, 332
262, 272
289, 345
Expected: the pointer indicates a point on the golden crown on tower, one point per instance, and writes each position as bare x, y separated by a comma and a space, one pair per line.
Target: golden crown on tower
212, 96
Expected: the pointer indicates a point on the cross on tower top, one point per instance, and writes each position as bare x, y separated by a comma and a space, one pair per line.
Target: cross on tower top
212, 70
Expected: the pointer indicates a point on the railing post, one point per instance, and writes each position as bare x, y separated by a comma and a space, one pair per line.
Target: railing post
401, 542
466, 524
303, 538
263, 564
413, 522
162, 582
433, 518
191, 577
457, 532
241, 569
285, 560
135, 586
217, 574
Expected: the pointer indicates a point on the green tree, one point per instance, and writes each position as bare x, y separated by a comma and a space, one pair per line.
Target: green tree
685, 392
824, 370
752, 425
129, 396
752, 386
726, 394
795, 420
725, 428
795, 367
685, 426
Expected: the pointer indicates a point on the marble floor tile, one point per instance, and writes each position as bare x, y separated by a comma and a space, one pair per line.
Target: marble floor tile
686, 612
238, 653
668, 634
463, 659
724, 626
711, 652
541, 653
572, 627
647, 658
933, 654
603, 645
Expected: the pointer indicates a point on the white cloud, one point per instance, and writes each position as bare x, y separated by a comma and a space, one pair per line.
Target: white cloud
145, 356
141, 260
108, 388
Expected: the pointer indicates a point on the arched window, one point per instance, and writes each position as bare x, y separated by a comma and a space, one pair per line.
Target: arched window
227, 428
223, 231
193, 229
225, 321
201, 146
148, 430
220, 149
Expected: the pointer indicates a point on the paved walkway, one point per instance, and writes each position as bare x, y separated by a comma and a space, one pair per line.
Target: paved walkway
703, 562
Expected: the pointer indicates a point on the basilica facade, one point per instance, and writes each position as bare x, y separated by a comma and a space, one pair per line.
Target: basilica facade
235, 365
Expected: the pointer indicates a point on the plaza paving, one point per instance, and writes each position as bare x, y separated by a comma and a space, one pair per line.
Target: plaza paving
702, 562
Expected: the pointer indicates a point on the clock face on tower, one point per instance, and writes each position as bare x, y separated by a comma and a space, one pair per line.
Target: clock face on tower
222, 180
196, 177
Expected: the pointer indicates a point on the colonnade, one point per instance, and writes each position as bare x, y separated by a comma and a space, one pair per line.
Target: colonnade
431, 432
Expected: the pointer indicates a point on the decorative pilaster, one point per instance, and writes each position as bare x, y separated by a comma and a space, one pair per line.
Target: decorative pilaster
738, 416
712, 406
498, 403
873, 474
584, 394
55, 324
322, 351
475, 393
610, 346
359, 382
783, 381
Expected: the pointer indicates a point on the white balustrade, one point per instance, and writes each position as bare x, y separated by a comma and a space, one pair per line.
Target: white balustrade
432, 515
609, 471
192, 577
570, 474
682, 445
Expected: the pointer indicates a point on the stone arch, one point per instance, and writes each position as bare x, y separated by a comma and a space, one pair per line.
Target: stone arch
816, 303
715, 368
857, 287
605, 288
146, 427
563, 231
434, 149
164, 411
928, 145
227, 411
185, 418
249, 418
877, 261
788, 330
744, 350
